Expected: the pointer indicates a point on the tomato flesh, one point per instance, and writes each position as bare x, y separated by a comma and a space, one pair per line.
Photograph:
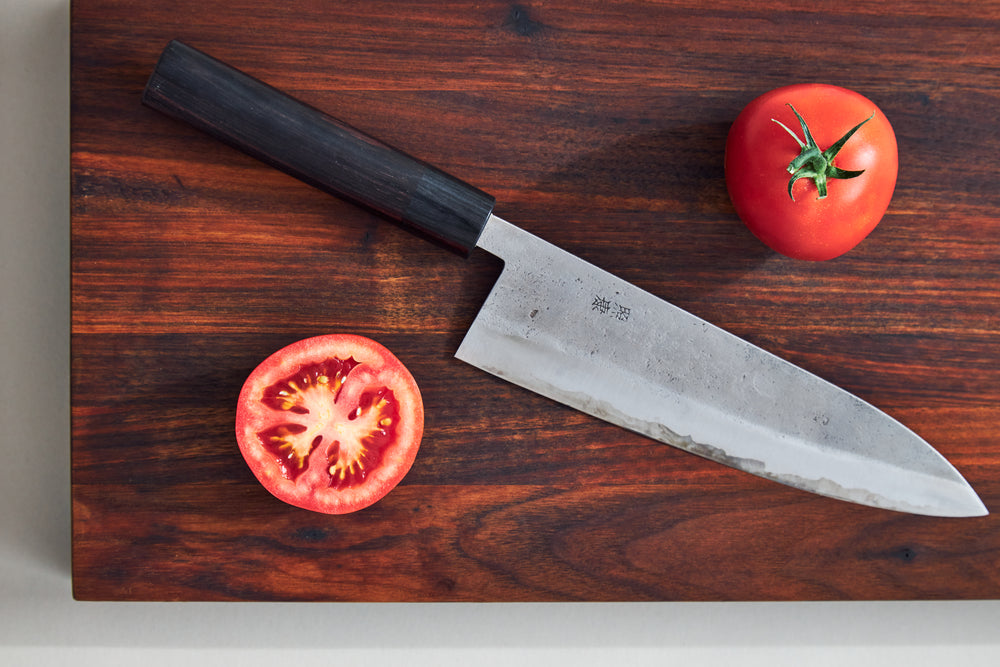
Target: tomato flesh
330, 424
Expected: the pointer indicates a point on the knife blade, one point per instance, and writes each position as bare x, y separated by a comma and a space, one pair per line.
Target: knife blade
563, 328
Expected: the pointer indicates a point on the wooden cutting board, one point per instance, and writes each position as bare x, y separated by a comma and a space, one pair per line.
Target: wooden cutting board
601, 128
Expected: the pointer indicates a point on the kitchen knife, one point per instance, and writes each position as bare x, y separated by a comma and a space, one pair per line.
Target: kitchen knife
565, 329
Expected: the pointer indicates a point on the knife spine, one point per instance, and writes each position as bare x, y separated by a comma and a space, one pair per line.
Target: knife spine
314, 147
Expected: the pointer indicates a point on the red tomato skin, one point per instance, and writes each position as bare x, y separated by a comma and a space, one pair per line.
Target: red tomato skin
758, 152
377, 367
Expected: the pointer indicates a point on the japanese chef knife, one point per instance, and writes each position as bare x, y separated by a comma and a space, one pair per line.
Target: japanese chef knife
567, 330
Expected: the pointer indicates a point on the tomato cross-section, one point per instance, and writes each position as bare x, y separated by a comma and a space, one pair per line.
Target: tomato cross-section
330, 423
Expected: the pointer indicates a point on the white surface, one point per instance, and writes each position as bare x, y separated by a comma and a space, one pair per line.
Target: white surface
41, 625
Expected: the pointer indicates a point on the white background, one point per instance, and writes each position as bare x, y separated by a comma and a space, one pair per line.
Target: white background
40, 624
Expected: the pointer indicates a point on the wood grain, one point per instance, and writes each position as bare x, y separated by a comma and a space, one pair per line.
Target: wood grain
599, 127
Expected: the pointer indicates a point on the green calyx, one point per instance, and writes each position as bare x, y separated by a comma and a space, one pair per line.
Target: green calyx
814, 163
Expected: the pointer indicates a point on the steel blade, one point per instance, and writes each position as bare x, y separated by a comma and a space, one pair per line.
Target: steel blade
570, 331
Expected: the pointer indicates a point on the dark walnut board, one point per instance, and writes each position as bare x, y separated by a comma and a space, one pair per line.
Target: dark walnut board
599, 127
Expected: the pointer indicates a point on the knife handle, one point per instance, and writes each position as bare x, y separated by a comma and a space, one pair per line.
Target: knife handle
314, 147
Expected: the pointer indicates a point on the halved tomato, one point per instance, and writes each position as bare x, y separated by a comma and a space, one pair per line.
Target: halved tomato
330, 423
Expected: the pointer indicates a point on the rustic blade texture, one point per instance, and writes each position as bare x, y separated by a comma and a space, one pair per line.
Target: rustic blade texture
568, 330
600, 129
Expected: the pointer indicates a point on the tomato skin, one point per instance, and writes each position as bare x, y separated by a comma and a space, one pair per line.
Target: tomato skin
338, 412
758, 152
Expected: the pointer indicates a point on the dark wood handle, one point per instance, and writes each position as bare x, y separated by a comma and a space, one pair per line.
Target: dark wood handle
314, 147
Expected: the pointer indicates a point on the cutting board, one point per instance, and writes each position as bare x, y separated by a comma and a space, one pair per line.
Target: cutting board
600, 127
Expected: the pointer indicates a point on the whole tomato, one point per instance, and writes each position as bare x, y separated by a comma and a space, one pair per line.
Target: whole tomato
811, 169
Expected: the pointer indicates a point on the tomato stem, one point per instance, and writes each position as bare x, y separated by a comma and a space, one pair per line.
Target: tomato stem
814, 163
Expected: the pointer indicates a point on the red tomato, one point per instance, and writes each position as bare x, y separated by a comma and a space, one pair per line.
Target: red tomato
788, 212
331, 423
